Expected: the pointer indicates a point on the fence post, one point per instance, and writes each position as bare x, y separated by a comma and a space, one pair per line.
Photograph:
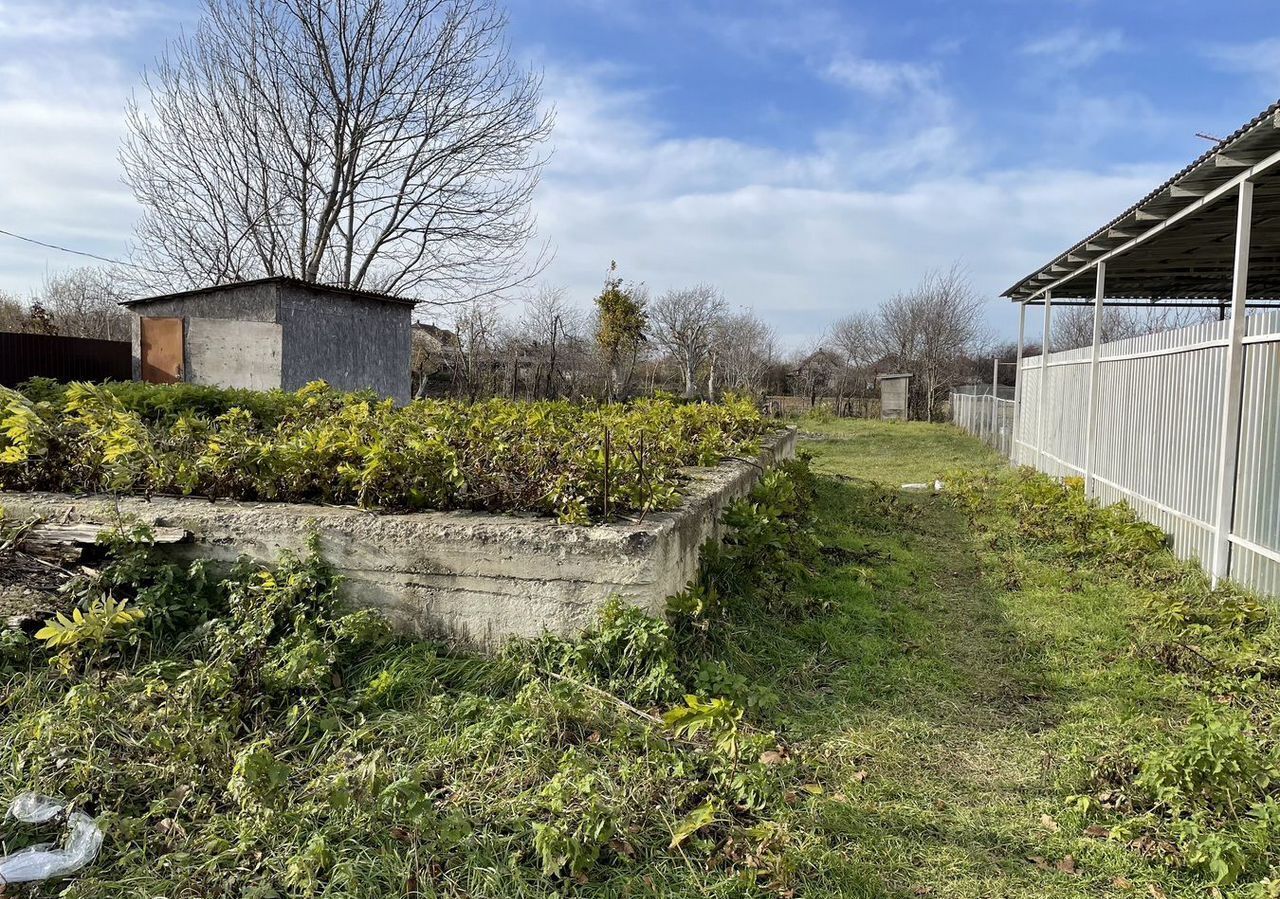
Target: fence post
1090, 435
1017, 384
1233, 396
995, 407
1044, 382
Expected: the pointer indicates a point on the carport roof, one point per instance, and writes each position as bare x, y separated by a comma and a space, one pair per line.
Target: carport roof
1178, 242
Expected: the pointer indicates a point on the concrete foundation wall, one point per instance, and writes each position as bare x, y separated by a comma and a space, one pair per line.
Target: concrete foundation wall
474, 578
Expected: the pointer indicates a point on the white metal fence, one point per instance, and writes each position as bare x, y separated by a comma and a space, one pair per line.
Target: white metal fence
1160, 440
975, 414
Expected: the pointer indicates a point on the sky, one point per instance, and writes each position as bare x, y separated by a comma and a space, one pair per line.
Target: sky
809, 158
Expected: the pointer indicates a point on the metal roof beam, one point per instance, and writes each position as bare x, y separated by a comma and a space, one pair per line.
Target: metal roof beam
1249, 174
1223, 161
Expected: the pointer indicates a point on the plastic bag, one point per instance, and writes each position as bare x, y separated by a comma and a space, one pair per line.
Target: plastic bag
45, 861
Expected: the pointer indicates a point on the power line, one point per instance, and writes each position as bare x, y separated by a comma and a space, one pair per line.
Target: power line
54, 246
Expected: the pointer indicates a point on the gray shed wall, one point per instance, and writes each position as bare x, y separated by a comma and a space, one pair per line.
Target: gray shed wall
353, 343
254, 303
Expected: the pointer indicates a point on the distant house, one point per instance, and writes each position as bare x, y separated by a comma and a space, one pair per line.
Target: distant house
275, 333
817, 373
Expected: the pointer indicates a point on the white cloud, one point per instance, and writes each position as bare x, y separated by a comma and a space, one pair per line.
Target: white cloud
1260, 59
63, 123
800, 237
1076, 48
50, 20
882, 79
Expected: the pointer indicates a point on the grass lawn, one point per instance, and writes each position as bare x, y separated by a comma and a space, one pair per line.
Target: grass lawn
952, 708
936, 691
892, 453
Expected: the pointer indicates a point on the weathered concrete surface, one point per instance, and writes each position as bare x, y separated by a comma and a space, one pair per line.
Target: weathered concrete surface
224, 352
473, 577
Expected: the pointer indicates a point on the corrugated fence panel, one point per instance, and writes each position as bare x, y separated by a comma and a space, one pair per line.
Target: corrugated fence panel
1065, 416
1255, 550
1158, 435
24, 356
1029, 415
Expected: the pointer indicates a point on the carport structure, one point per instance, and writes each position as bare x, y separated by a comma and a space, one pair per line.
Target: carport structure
1182, 425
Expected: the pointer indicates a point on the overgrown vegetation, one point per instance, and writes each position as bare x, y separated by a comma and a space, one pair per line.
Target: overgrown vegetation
998, 691
1195, 786
247, 736
317, 445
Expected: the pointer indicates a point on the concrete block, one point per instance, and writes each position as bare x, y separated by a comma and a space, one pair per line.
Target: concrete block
224, 352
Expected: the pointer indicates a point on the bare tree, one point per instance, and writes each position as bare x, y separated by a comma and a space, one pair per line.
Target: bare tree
898, 326
951, 314
13, 314
382, 144
1073, 325
931, 330
744, 348
858, 338
479, 333
553, 328
85, 302
683, 322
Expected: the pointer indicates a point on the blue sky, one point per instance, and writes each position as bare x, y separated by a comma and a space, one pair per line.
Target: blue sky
810, 158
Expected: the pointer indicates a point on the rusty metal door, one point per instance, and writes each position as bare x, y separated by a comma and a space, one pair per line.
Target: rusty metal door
161, 350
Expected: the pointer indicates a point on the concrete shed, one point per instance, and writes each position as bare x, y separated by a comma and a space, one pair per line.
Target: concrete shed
275, 333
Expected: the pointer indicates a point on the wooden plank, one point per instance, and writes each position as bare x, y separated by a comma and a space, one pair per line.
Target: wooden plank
87, 534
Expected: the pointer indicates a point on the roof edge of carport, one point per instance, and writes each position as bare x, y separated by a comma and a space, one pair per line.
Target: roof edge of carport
1255, 142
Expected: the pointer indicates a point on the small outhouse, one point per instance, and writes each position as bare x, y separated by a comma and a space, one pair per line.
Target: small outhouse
275, 333
895, 396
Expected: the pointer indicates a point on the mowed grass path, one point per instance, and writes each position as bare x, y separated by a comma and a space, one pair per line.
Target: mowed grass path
947, 707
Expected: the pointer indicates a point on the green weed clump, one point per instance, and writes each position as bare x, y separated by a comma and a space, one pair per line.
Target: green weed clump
317, 445
244, 734
1198, 789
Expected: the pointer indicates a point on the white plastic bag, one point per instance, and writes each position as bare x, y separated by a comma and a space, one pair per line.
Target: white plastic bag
45, 861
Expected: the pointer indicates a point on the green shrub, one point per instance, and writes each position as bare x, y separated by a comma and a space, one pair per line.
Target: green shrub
317, 445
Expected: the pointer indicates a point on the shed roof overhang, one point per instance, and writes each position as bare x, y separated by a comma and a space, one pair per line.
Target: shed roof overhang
1177, 245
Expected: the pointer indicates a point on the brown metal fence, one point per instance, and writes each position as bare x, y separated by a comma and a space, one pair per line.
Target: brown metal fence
24, 356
